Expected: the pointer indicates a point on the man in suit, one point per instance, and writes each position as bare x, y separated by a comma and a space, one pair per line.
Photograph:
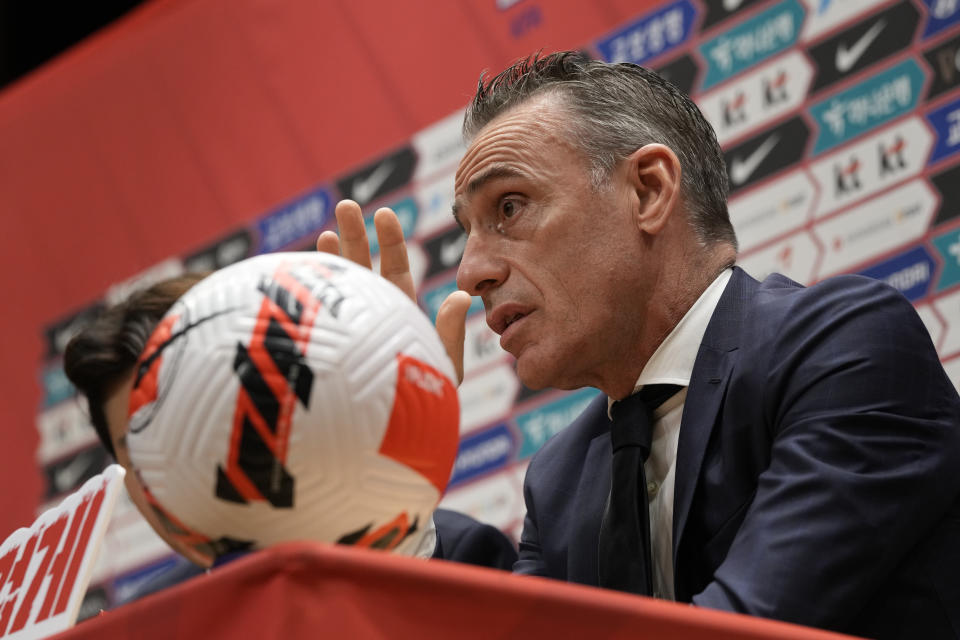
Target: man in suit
805, 467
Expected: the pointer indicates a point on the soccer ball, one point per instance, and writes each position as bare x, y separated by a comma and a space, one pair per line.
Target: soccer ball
294, 396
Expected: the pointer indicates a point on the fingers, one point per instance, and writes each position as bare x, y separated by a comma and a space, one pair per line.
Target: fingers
394, 265
451, 325
353, 242
329, 242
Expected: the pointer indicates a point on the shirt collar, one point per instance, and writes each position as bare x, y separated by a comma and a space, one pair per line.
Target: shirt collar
672, 362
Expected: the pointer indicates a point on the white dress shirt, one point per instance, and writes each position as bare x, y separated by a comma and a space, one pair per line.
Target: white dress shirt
428, 542
672, 363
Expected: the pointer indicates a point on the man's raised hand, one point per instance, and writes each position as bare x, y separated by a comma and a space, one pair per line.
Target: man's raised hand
352, 244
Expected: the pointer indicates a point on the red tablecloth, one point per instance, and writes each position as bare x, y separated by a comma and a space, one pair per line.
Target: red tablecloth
308, 590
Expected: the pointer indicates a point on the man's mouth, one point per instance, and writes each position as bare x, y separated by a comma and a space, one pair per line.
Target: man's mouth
505, 315
514, 318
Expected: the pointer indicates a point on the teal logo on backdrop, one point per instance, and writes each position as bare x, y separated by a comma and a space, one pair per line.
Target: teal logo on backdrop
406, 211
878, 99
752, 41
56, 386
948, 246
433, 298
542, 423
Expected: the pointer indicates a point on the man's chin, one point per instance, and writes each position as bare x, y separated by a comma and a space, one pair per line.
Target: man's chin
540, 373
534, 374
531, 376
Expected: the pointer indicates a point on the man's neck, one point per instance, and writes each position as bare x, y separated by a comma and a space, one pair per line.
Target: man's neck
687, 285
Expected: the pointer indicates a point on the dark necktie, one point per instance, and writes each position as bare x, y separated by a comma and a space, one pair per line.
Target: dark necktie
624, 561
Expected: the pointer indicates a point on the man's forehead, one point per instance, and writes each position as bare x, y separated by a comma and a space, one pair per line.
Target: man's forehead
538, 123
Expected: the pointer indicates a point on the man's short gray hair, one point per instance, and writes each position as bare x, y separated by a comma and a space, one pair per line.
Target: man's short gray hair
616, 109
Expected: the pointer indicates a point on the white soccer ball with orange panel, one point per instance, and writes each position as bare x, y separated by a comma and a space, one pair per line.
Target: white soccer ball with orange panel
294, 396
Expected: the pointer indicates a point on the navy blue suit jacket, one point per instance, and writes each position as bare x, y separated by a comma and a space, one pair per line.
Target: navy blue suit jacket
460, 538
818, 467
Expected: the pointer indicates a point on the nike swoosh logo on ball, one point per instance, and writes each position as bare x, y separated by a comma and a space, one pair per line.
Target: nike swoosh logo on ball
846, 58
148, 361
742, 168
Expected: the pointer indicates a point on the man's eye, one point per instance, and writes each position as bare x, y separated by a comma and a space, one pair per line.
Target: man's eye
509, 208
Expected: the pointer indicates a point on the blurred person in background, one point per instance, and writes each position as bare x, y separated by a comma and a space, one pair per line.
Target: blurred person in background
100, 361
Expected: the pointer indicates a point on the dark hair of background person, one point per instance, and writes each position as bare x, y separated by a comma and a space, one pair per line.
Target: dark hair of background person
105, 352
616, 109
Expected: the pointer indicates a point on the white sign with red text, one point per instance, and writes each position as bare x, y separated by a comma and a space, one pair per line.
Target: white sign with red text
45, 569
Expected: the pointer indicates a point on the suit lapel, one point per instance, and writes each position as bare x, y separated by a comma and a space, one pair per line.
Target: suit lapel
711, 372
590, 502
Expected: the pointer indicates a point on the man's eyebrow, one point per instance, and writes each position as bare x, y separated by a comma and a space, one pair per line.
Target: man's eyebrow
493, 173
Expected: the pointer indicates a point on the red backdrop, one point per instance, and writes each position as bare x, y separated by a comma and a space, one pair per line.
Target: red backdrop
188, 118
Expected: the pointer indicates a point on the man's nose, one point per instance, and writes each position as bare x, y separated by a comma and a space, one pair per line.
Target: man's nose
482, 266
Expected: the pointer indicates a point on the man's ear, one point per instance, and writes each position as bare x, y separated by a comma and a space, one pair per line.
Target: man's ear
654, 173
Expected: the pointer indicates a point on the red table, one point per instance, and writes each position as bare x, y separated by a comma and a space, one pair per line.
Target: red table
309, 590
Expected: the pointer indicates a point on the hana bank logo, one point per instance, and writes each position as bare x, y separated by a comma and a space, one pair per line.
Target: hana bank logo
875, 101
752, 42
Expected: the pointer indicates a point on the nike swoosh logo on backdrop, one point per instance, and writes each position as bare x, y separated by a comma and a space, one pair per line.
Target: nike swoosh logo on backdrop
732, 5
742, 168
846, 58
364, 188
66, 477
452, 250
